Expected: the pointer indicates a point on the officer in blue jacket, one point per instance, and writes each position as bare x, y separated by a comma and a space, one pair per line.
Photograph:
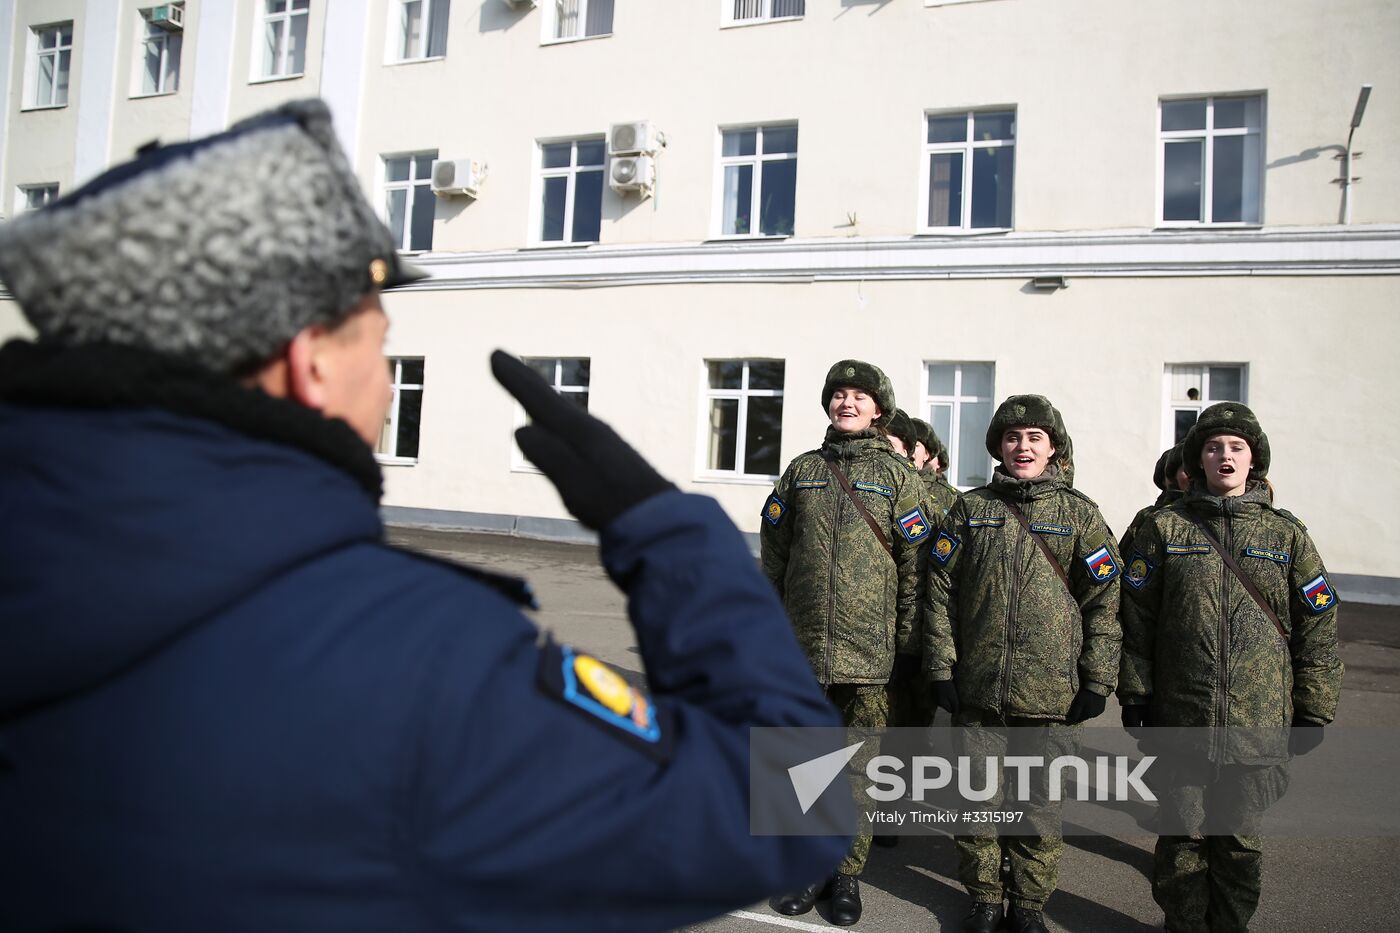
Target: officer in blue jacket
227, 704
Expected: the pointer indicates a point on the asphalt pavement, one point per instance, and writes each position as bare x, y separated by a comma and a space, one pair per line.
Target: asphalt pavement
1313, 884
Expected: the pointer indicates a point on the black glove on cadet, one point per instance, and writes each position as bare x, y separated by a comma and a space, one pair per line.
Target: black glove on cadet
946, 696
598, 475
1086, 705
1304, 736
1135, 716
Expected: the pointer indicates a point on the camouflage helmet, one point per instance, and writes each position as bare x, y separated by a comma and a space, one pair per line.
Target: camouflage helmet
1164, 474
1226, 418
1027, 411
902, 426
861, 375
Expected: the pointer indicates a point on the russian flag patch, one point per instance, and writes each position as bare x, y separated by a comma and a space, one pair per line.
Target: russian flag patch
1102, 566
1317, 594
914, 525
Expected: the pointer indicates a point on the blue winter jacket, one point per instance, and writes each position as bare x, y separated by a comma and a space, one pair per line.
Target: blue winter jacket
227, 704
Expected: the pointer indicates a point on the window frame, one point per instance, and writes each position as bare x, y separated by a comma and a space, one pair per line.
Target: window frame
1170, 405
146, 32
263, 19
956, 401
1207, 137
22, 193
727, 20
519, 463
395, 37
33, 55
410, 184
756, 160
391, 425
967, 148
703, 473
549, 22
571, 172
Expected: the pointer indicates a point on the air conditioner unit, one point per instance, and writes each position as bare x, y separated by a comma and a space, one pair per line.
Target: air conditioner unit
170, 17
457, 176
634, 138
632, 173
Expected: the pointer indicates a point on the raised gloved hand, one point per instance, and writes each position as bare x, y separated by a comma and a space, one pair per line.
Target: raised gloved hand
598, 474
1086, 705
1304, 736
946, 696
1135, 715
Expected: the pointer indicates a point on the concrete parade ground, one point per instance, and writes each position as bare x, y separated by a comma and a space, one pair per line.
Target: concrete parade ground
1310, 884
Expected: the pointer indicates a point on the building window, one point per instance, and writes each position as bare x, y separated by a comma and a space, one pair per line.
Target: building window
760, 11
569, 376
160, 56
408, 199
743, 421
571, 179
1212, 160
758, 178
422, 29
579, 19
970, 160
959, 406
33, 197
50, 62
398, 440
1192, 387
284, 37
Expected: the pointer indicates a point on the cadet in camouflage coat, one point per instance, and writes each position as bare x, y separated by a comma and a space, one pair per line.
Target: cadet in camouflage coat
1164, 477
1019, 647
933, 471
1199, 651
853, 603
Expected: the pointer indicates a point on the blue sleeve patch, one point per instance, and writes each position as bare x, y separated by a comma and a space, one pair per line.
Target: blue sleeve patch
1048, 528
1278, 557
885, 491
584, 683
774, 510
1102, 566
943, 547
985, 522
1317, 594
810, 484
914, 525
1139, 571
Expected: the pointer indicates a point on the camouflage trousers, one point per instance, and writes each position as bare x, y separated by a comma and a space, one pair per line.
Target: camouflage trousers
1035, 859
862, 706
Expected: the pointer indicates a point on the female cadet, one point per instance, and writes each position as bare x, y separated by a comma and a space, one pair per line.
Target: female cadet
840, 540
931, 459
1021, 631
1199, 649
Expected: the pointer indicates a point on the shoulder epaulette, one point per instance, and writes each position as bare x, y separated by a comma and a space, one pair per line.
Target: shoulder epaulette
1288, 515
1077, 494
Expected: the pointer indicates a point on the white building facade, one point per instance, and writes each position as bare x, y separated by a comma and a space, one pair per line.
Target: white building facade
1134, 209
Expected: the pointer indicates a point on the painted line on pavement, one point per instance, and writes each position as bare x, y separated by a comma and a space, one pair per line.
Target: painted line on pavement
783, 922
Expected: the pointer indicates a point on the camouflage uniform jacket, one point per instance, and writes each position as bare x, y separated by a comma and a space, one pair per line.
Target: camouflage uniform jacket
1000, 621
940, 491
1164, 499
1197, 643
851, 604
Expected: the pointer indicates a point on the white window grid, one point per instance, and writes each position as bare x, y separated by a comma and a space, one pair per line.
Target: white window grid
1177, 378
418, 31
568, 20
756, 187
1207, 136
387, 450
161, 48
954, 403
518, 461
967, 148
51, 64
742, 394
418, 185
281, 21
745, 12
33, 197
570, 172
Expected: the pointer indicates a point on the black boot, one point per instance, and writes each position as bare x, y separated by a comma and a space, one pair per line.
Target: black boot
886, 842
802, 901
985, 917
845, 900
1024, 920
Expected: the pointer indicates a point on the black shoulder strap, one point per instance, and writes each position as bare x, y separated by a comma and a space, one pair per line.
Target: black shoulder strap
1241, 576
840, 475
1040, 543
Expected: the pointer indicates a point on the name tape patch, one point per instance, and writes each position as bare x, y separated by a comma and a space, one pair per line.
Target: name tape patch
885, 491
1278, 557
985, 522
810, 484
1049, 528
1188, 548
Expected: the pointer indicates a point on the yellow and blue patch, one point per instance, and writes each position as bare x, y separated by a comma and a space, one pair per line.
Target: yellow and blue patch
914, 525
774, 510
985, 522
1278, 557
810, 484
1050, 528
1317, 594
943, 547
1102, 566
885, 491
587, 684
1188, 548
1139, 570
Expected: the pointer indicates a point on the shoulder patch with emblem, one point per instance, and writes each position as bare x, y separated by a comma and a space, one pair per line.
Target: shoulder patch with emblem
1102, 566
1317, 594
985, 521
1188, 548
943, 547
885, 491
1263, 553
1050, 528
774, 510
1139, 571
914, 525
592, 687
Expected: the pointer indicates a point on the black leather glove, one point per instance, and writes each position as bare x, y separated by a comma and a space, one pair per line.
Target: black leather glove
906, 669
1304, 736
1086, 705
598, 475
1135, 715
946, 696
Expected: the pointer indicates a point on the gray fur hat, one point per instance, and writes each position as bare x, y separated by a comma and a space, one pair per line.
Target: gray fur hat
217, 251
